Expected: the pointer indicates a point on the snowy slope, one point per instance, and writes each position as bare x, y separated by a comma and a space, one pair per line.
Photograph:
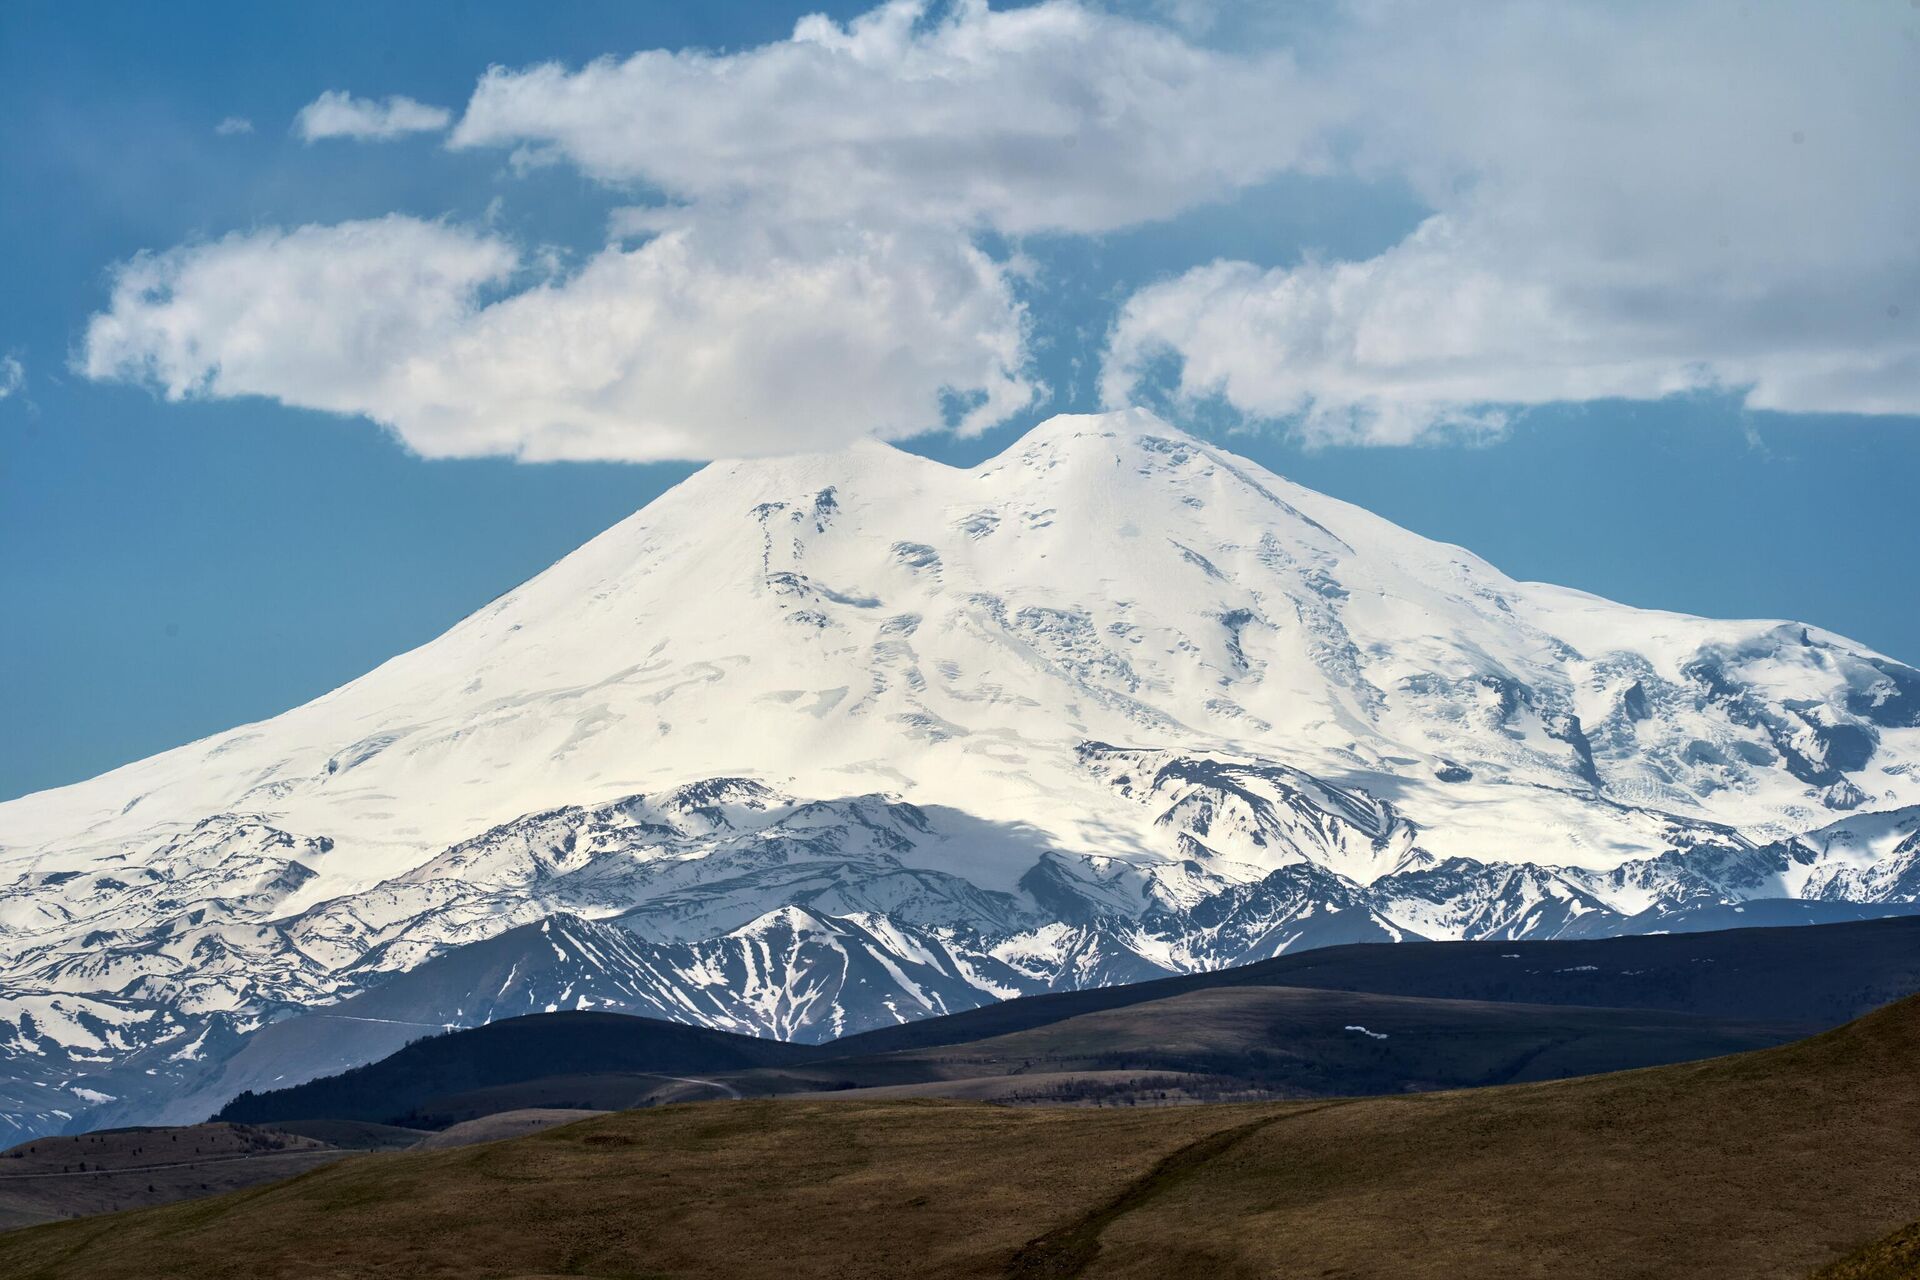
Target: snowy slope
1116, 702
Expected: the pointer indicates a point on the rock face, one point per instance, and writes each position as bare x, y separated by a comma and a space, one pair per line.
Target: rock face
815, 744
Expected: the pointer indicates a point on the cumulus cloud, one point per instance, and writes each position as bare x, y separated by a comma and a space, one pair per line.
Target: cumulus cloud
337, 114
712, 339
13, 376
1629, 202
1054, 116
233, 126
303, 316
1624, 200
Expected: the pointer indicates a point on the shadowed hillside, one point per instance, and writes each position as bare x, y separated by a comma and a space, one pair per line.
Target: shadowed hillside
1817, 975
391, 1090
1430, 1016
1226, 1044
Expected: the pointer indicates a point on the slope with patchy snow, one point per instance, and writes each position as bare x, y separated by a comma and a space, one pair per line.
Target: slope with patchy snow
1116, 702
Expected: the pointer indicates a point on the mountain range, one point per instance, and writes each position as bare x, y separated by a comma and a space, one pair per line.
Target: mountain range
813, 745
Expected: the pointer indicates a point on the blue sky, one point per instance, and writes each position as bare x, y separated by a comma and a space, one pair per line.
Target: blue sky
1620, 319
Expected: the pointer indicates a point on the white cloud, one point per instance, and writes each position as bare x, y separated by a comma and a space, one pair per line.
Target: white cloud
1630, 201
233, 126
13, 376
310, 316
1054, 116
337, 114
712, 339
1626, 199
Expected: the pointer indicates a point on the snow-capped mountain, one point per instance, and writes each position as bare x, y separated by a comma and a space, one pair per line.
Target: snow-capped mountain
814, 744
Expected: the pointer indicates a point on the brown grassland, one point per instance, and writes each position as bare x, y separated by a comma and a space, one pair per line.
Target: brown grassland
1772, 1163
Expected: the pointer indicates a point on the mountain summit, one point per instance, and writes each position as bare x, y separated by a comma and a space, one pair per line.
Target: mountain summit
823, 742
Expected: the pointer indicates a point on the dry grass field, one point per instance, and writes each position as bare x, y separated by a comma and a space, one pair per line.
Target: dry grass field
1772, 1163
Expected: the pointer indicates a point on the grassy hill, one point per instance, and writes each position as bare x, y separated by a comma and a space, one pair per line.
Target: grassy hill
1209, 1044
1451, 1014
1816, 976
395, 1089
1770, 1163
